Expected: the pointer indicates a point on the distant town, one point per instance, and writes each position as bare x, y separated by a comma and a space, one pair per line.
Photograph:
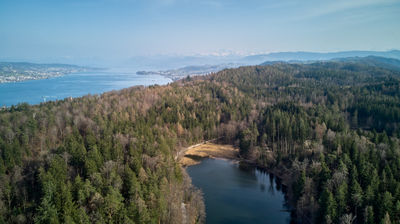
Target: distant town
23, 71
176, 74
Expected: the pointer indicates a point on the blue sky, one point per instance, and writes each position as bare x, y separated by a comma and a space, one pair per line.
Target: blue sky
53, 29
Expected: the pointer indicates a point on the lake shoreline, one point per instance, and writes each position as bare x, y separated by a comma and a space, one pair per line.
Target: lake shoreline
211, 181
193, 155
73, 85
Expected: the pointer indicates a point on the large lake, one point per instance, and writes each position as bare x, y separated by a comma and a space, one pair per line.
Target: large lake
72, 85
235, 193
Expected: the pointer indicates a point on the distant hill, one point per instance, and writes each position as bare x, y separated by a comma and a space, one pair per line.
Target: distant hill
166, 62
309, 56
388, 63
351, 62
193, 70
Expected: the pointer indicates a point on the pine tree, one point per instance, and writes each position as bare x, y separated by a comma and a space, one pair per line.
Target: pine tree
369, 215
328, 206
386, 219
298, 187
385, 206
341, 198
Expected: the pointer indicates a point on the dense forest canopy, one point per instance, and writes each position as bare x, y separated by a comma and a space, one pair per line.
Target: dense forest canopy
333, 127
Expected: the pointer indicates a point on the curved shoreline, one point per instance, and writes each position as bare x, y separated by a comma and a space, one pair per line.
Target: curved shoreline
194, 155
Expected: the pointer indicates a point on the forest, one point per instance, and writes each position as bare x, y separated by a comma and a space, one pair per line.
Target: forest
333, 127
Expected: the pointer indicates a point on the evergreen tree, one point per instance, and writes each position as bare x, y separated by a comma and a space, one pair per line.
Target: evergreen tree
328, 206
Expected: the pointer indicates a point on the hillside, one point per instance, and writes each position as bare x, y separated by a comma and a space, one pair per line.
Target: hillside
332, 127
387, 63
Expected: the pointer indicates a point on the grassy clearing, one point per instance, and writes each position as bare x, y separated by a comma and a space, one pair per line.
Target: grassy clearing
193, 155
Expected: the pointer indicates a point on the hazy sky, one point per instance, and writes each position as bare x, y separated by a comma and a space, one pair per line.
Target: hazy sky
125, 28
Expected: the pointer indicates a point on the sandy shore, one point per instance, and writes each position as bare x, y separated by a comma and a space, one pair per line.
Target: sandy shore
194, 154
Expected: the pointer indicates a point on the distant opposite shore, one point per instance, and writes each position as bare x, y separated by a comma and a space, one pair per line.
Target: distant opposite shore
24, 71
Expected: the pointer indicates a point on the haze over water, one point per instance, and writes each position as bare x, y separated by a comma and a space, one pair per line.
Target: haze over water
72, 85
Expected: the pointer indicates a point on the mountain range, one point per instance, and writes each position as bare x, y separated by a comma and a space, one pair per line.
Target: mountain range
307, 56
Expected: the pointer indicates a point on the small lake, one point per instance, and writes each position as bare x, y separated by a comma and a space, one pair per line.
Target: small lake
72, 85
237, 193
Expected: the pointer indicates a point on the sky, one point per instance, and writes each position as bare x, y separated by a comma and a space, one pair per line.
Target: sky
118, 29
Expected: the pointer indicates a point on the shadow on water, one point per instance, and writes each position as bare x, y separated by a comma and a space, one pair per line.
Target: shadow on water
240, 193
195, 157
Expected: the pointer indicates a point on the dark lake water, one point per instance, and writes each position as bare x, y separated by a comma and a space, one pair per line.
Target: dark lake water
72, 85
236, 193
